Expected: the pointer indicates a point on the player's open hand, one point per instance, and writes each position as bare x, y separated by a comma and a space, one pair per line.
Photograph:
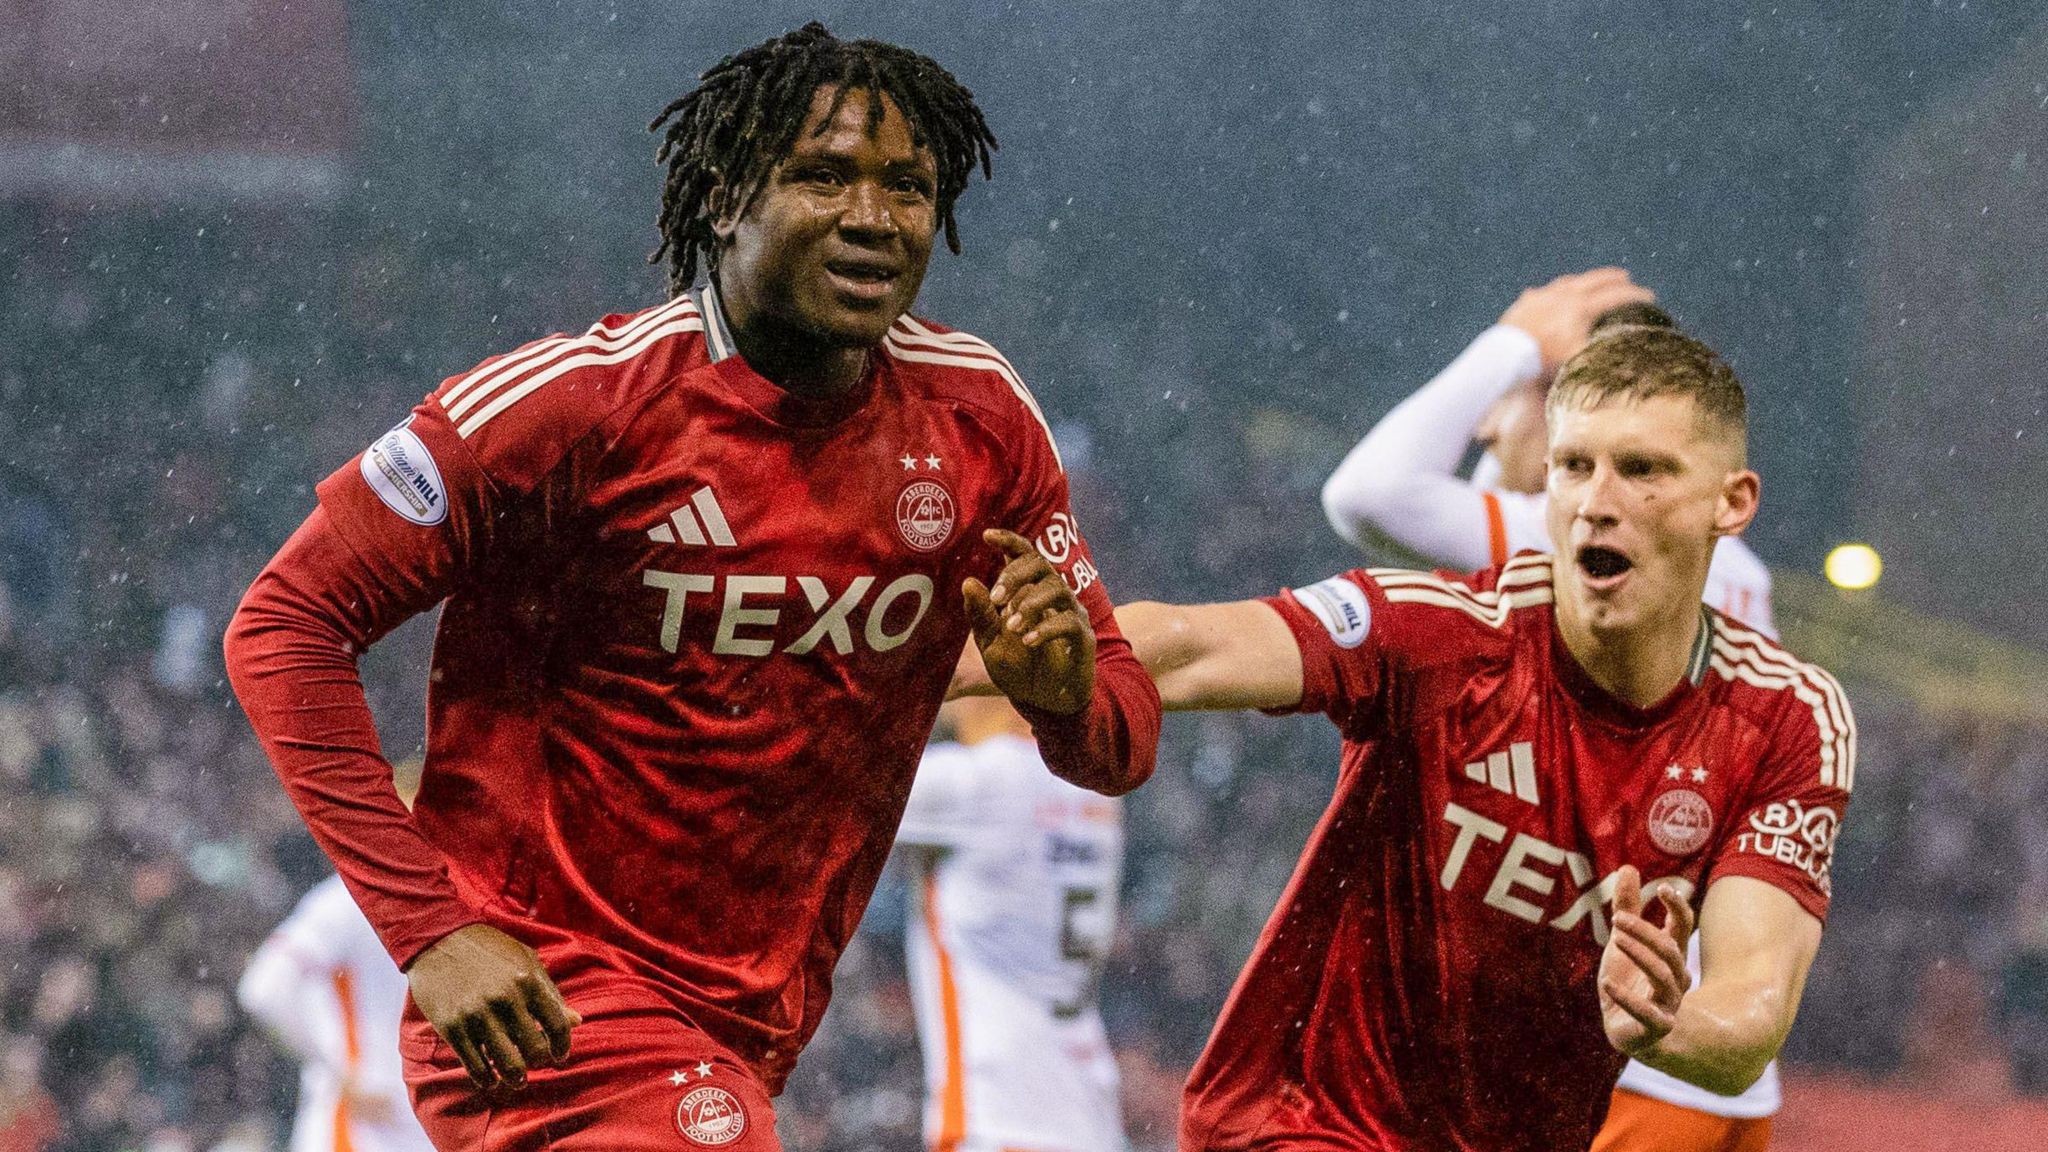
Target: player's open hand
493, 1003
1643, 977
1035, 638
1560, 314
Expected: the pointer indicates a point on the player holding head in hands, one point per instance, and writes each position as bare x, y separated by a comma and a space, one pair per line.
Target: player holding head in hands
698, 567
1399, 485
1552, 771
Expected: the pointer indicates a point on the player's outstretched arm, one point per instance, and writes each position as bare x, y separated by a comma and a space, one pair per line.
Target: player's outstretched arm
1756, 946
1215, 656
1201, 656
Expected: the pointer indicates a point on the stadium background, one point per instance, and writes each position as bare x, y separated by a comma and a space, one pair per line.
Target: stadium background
241, 238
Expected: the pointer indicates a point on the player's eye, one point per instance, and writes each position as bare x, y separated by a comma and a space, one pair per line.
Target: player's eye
817, 174
914, 186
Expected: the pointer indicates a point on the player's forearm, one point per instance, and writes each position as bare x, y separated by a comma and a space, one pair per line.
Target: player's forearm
1109, 746
1726, 1035
1395, 483
1195, 664
1440, 521
1174, 652
291, 658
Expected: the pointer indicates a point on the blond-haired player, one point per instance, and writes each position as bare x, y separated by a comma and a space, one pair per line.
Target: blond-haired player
1469, 949
1014, 877
1399, 486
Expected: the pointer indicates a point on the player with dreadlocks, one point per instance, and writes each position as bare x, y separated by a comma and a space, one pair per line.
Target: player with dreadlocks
729, 132
698, 568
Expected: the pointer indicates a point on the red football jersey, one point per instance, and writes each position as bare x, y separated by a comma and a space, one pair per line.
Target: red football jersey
1428, 979
695, 636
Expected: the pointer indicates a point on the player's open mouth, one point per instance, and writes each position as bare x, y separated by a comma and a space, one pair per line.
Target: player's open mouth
862, 277
1603, 568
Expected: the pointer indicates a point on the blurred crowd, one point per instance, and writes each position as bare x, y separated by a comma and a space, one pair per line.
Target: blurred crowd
164, 419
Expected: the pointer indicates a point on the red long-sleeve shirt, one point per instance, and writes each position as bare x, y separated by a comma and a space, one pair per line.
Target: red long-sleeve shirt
695, 634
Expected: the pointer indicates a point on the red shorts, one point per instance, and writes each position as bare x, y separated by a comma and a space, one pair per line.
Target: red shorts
636, 1079
1638, 1123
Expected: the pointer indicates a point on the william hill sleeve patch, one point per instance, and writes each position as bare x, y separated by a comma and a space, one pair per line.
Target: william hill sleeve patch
1342, 608
404, 476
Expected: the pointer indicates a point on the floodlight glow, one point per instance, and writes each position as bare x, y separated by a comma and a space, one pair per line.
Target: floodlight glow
1854, 566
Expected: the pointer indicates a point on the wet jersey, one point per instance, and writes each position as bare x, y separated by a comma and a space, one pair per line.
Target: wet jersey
1428, 979
1014, 909
1399, 485
696, 632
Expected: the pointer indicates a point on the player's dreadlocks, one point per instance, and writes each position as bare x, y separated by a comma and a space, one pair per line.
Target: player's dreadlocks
744, 114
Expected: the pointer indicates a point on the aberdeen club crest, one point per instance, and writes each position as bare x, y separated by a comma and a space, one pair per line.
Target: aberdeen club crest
1680, 822
711, 1116
925, 514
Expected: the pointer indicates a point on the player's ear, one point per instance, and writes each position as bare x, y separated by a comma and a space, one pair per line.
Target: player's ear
1736, 506
720, 206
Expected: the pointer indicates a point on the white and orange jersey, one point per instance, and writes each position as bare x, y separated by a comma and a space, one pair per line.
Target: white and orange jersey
1014, 899
324, 987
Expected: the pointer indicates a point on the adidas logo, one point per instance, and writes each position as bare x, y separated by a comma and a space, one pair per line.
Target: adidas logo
693, 521
1512, 771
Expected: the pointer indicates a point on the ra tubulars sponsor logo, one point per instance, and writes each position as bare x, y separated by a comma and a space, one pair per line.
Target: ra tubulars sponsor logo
751, 607
1060, 544
1528, 873
1791, 833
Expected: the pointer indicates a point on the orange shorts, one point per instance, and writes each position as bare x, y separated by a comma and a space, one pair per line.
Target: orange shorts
1638, 1123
